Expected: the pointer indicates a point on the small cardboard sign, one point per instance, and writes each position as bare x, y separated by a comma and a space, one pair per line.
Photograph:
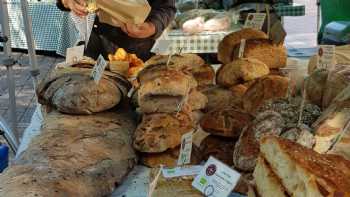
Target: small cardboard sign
185, 149
241, 48
161, 46
216, 179
255, 20
326, 57
181, 171
74, 54
277, 33
98, 69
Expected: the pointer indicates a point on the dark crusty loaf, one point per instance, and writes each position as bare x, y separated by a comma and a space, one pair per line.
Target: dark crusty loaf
246, 149
303, 172
227, 45
263, 89
315, 85
161, 131
226, 121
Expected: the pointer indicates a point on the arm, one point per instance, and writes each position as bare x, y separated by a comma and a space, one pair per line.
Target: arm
162, 13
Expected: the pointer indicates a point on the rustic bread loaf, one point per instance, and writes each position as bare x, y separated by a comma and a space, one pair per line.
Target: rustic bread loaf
246, 149
204, 75
197, 100
264, 89
226, 121
73, 156
177, 61
218, 147
303, 172
238, 91
167, 93
219, 97
338, 80
267, 182
315, 85
330, 124
168, 158
71, 90
240, 71
274, 56
161, 131
229, 43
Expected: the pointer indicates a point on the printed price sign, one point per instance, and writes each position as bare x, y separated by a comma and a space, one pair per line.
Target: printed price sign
185, 149
98, 69
74, 54
161, 47
216, 179
241, 48
326, 57
255, 20
181, 171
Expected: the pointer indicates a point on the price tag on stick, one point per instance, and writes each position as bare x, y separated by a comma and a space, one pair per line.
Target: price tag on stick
326, 57
241, 48
255, 20
98, 69
216, 179
185, 149
74, 54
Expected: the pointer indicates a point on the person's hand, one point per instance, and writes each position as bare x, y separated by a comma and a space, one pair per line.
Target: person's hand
143, 30
76, 6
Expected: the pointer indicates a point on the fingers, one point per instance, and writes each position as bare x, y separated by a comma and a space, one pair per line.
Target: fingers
78, 7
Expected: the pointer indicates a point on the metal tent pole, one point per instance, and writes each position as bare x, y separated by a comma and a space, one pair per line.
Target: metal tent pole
11, 134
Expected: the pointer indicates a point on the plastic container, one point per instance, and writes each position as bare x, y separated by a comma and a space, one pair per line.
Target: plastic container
4, 157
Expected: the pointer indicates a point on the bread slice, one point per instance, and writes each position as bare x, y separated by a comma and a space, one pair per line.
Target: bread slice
227, 45
267, 182
303, 171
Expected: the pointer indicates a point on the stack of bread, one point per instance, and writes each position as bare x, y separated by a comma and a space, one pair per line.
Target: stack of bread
168, 99
285, 168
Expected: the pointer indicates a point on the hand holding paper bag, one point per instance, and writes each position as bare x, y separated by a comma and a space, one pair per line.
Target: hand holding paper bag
117, 12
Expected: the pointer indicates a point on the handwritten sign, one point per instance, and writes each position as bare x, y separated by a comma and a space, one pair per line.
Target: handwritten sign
98, 69
74, 54
326, 57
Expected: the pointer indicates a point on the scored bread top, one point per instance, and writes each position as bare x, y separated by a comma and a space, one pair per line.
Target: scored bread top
226, 46
332, 170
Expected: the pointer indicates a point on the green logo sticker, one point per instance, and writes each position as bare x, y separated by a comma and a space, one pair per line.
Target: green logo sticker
203, 181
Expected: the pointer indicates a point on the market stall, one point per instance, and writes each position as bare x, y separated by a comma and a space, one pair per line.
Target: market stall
258, 124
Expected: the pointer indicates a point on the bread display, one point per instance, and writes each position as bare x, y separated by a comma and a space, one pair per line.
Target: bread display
226, 122
267, 182
246, 150
337, 81
315, 85
161, 131
73, 156
70, 90
303, 172
264, 89
240, 71
227, 46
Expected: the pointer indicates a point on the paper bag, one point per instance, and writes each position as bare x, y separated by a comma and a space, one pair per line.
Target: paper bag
119, 12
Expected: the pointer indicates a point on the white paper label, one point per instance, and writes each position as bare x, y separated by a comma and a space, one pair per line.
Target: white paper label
241, 48
153, 184
74, 54
216, 179
181, 171
161, 46
255, 20
326, 55
185, 149
98, 69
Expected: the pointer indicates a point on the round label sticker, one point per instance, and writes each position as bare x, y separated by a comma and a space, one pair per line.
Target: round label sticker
209, 190
211, 169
